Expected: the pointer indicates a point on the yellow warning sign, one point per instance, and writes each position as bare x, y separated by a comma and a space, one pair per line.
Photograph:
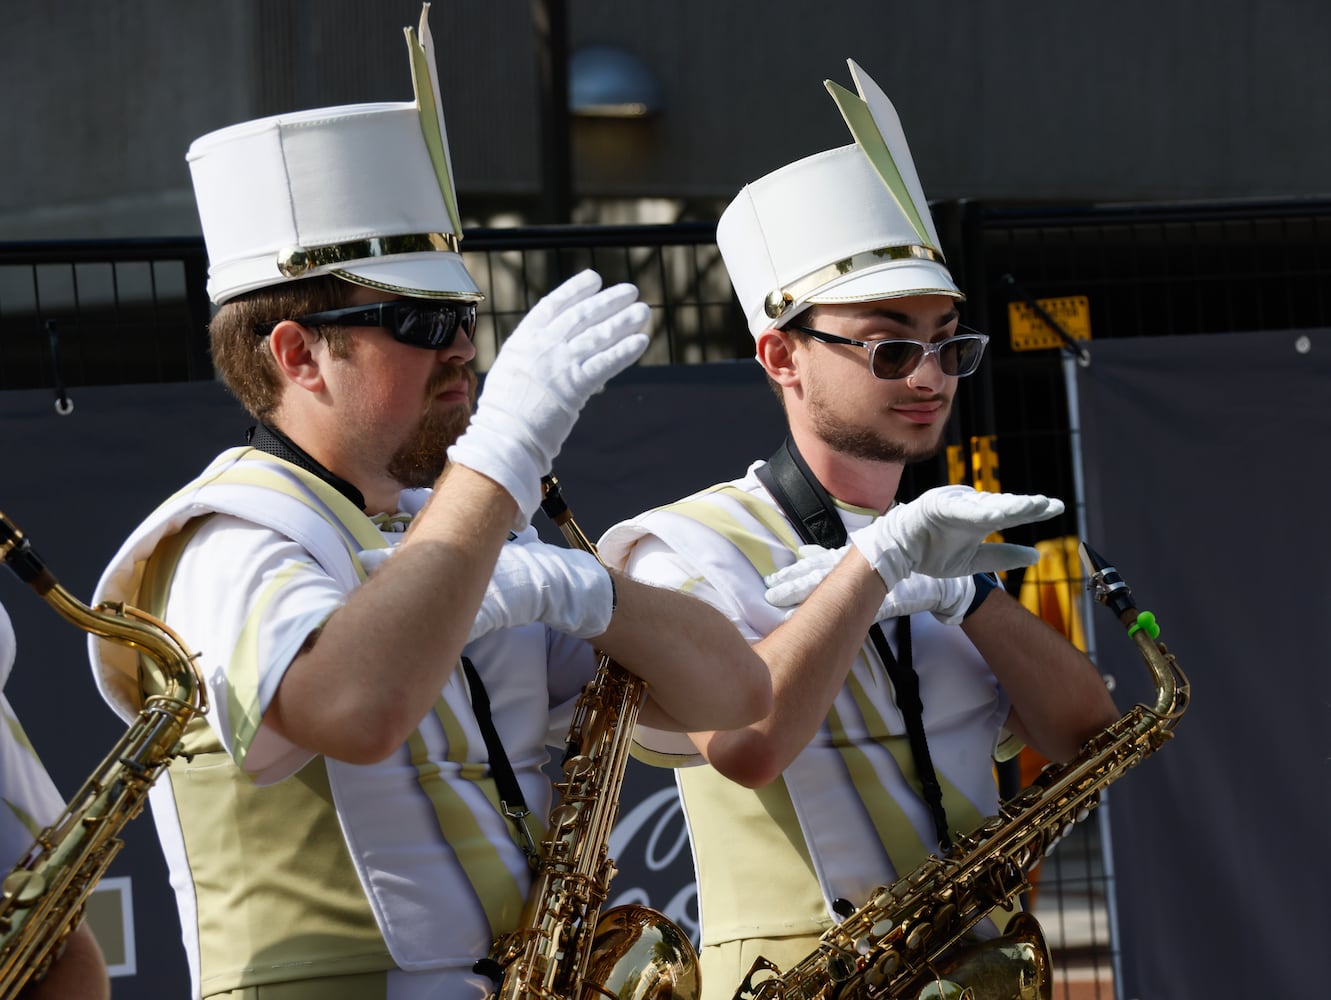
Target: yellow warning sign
1031, 333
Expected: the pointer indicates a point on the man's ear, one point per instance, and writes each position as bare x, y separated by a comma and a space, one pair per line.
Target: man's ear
776, 353
297, 351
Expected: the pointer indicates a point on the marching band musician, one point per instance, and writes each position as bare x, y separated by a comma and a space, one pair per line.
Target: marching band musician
342, 829
850, 781
31, 803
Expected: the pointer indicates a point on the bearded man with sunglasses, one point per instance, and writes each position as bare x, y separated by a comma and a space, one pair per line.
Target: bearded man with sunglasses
882, 738
387, 648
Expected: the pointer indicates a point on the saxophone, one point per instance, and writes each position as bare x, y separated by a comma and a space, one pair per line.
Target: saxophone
907, 942
44, 895
560, 949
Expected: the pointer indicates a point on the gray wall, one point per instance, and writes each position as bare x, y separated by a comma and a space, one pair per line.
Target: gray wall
1035, 101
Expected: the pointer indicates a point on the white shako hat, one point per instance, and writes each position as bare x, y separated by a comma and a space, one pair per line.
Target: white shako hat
847, 225
363, 191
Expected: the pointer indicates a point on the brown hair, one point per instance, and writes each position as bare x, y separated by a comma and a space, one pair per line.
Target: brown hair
241, 355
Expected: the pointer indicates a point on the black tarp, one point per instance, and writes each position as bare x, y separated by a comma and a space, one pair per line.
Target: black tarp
1204, 460
1207, 485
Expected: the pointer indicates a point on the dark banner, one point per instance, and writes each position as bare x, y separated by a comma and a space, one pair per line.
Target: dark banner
1203, 460
77, 484
1207, 486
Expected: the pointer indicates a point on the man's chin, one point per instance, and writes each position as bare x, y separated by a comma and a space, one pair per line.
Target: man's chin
873, 447
421, 461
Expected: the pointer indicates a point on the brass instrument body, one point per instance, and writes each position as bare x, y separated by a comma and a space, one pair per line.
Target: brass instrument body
44, 894
563, 947
906, 942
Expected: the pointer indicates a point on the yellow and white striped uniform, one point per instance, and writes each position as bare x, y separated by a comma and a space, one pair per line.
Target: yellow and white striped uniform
846, 816
29, 800
299, 875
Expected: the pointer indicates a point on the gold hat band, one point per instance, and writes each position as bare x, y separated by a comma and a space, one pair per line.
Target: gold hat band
779, 300
293, 262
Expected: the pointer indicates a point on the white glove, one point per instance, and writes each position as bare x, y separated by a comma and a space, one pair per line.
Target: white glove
941, 534
567, 589
948, 599
562, 353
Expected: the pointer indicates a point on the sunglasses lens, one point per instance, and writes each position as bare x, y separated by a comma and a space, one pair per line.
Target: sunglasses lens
957, 356
896, 358
434, 325
960, 355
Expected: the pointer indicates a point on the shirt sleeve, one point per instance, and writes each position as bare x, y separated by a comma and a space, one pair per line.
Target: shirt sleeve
652, 561
30, 798
247, 598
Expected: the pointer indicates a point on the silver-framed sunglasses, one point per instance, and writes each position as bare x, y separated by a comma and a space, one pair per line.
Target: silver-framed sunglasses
896, 358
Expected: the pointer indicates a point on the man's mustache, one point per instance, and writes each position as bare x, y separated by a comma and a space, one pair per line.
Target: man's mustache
448, 377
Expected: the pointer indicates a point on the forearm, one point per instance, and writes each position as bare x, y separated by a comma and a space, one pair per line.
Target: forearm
701, 673
809, 657
371, 673
78, 974
1059, 700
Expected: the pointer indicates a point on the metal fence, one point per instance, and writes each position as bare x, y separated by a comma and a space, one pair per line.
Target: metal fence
98, 313
134, 311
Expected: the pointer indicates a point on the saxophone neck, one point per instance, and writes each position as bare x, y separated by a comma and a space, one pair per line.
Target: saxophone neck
557, 510
114, 621
1108, 587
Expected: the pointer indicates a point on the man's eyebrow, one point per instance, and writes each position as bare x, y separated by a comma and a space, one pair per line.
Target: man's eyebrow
906, 319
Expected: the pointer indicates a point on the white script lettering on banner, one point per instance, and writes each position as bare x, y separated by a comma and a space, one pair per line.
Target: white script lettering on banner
650, 843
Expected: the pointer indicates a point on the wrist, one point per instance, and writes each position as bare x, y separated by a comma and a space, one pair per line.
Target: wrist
985, 584
886, 561
501, 459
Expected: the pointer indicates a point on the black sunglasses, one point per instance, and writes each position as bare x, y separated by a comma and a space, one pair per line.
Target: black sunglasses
898, 358
431, 323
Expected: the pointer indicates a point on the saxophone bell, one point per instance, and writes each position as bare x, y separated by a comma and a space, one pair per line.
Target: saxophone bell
639, 954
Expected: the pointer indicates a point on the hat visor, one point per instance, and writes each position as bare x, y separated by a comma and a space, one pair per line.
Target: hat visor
426, 275
893, 280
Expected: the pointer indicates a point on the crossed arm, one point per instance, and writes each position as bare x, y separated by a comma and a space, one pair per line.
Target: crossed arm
363, 682
1058, 698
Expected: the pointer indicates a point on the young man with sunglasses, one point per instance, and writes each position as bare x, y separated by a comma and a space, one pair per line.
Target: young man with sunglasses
387, 648
881, 742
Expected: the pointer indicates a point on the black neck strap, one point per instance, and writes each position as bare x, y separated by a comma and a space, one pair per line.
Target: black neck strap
274, 442
511, 800
816, 520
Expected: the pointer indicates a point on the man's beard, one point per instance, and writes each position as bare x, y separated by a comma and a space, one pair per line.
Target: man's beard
423, 456
858, 441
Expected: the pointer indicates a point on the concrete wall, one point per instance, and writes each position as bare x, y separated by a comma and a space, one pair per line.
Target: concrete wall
1037, 101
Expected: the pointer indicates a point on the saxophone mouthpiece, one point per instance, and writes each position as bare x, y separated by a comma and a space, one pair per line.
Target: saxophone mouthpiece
18, 555
1104, 582
552, 500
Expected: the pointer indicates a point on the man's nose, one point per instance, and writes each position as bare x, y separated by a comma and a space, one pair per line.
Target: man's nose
460, 350
929, 372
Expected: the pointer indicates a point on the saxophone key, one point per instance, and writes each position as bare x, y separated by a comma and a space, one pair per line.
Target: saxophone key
917, 936
884, 967
24, 888
944, 917
840, 966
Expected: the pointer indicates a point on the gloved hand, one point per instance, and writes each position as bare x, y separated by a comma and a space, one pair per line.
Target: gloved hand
948, 598
567, 589
562, 353
941, 534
